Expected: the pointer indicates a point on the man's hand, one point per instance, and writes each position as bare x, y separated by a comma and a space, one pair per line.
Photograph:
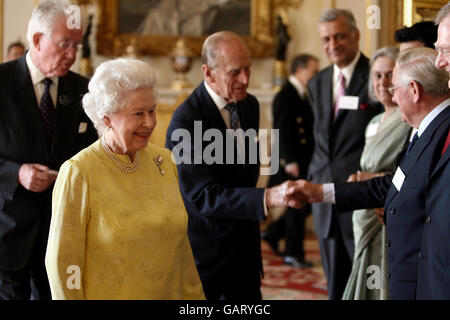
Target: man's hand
277, 196
35, 177
310, 192
379, 212
363, 176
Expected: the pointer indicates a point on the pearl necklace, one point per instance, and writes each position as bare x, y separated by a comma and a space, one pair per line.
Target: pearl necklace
127, 168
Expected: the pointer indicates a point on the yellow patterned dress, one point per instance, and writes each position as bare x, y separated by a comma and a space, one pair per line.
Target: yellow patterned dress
117, 235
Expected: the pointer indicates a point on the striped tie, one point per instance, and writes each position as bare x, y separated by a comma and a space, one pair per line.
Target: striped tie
341, 93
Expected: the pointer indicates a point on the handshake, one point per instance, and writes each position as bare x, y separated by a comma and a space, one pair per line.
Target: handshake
294, 194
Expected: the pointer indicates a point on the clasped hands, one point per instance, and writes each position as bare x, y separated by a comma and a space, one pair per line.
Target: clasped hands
294, 194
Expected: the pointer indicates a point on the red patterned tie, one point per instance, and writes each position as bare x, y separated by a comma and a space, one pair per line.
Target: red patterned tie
447, 142
341, 93
48, 111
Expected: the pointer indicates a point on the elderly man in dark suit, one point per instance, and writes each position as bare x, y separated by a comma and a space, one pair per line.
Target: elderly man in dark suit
421, 92
42, 124
293, 117
223, 205
434, 262
341, 112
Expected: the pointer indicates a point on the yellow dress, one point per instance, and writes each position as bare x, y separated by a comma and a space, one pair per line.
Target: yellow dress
116, 235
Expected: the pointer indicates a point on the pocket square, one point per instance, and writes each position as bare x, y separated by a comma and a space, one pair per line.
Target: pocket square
83, 127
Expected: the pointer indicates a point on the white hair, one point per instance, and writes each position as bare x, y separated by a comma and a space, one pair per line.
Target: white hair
44, 17
330, 15
443, 13
211, 56
111, 84
418, 64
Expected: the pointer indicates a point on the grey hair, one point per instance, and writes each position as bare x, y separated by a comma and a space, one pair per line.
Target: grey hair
330, 15
111, 84
389, 52
210, 49
418, 64
443, 13
44, 17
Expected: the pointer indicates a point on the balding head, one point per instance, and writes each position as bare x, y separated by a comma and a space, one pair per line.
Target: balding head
226, 65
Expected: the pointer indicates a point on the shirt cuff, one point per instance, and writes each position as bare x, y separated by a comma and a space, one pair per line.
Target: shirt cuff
266, 211
329, 196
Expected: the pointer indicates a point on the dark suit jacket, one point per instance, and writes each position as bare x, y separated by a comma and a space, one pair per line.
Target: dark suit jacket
25, 215
434, 260
223, 205
406, 211
339, 142
294, 119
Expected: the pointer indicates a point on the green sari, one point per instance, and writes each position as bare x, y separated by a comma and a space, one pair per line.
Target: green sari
384, 142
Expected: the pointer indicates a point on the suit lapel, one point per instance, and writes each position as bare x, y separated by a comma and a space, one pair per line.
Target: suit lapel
442, 161
327, 93
210, 111
66, 115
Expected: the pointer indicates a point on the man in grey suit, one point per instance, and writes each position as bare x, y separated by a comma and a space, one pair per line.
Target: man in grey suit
42, 124
341, 112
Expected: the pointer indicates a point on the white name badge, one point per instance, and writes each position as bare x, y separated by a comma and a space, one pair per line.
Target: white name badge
349, 102
372, 129
398, 179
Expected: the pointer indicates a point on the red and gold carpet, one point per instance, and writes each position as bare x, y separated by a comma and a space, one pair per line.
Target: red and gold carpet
283, 282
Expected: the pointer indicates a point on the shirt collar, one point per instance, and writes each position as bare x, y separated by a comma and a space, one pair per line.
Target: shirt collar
36, 75
432, 115
347, 71
298, 86
218, 100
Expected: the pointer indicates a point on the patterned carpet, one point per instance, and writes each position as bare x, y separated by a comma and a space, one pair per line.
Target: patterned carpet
283, 282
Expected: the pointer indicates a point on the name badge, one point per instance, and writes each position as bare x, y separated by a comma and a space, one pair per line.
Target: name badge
349, 102
83, 127
372, 130
398, 179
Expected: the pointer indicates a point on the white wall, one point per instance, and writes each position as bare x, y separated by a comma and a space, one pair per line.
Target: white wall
15, 21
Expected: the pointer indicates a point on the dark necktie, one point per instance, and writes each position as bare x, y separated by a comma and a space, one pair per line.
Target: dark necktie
48, 111
234, 114
414, 139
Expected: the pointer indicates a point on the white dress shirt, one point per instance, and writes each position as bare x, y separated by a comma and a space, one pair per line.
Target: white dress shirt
347, 72
37, 77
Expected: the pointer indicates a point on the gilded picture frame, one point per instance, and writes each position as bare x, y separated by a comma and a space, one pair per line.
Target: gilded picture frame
110, 42
421, 10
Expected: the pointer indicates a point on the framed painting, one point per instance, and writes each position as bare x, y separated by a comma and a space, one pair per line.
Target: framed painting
154, 26
421, 10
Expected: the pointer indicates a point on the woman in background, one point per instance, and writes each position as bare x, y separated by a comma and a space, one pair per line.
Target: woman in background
385, 137
119, 225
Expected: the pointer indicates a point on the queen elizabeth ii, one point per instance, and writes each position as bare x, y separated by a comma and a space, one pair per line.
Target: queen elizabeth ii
119, 225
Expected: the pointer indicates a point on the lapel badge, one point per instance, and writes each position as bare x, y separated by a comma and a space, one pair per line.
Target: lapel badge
64, 100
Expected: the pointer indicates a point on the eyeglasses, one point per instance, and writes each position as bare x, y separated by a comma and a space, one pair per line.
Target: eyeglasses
446, 53
392, 89
67, 44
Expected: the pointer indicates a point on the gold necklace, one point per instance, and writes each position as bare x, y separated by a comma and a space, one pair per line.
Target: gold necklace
127, 168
